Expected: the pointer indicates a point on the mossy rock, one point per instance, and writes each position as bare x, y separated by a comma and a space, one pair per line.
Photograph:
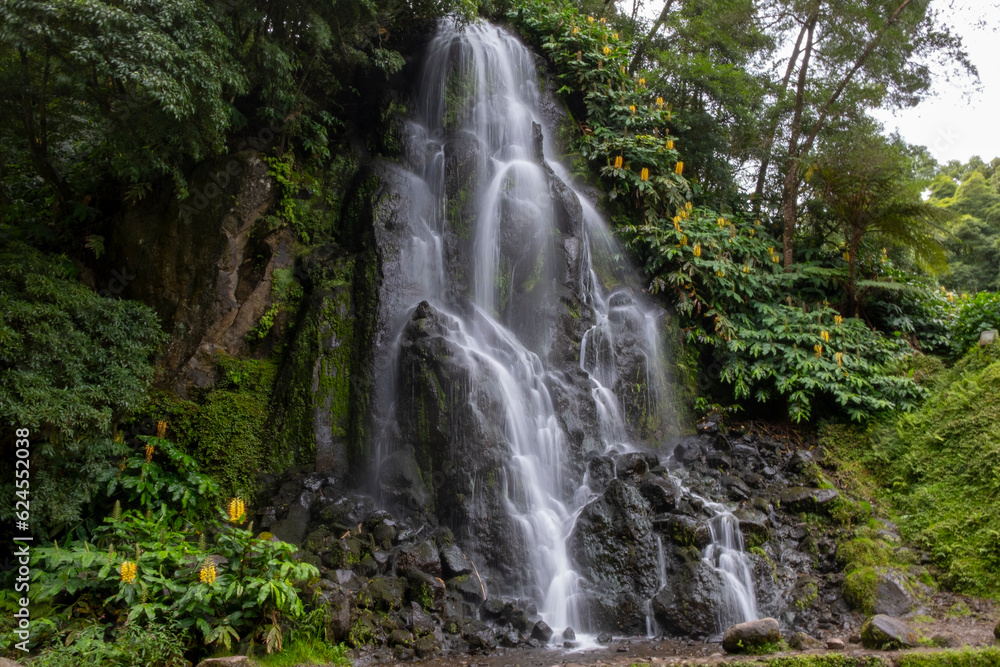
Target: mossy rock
886, 633
387, 593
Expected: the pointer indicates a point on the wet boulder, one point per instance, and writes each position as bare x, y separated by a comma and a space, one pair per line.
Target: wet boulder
541, 632
752, 636
687, 605
613, 543
454, 562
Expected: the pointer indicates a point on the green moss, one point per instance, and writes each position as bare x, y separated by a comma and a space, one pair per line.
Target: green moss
825, 660
859, 589
225, 427
987, 657
928, 466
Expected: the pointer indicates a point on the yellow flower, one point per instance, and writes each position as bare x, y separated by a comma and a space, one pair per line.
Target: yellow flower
679, 168
677, 222
614, 35
775, 258
819, 350
618, 162
696, 250
644, 174
603, 20
847, 256
237, 510
119, 438
207, 572
670, 144
840, 358
607, 50
720, 273
746, 269
590, 19
622, 68
951, 297
149, 453
825, 335
128, 572
575, 30
837, 319
659, 102
161, 429
642, 82
631, 108
684, 239
721, 222
688, 206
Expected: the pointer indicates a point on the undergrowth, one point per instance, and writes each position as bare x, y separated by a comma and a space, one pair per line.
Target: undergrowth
939, 469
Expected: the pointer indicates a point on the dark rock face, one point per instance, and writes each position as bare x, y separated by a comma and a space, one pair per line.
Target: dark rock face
198, 264
687, 606
745, 637
802, 499
885, 633
614, 547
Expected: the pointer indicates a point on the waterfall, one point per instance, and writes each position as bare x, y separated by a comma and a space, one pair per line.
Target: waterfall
492, 246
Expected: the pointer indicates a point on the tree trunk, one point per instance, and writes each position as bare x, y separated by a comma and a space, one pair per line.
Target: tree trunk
796, 153
772, 130
790, 187
641, 50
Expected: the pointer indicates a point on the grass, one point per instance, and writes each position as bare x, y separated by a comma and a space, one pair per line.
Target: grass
306, 652
987, 657
938, 468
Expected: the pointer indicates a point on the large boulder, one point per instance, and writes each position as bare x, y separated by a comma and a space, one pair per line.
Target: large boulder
751, 636
804, 499
615, 549
883, 632
891, 596
687, 606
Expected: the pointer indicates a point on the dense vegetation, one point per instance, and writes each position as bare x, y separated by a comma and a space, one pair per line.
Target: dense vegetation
818, 295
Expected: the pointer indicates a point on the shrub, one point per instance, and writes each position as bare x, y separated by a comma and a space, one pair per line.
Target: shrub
975, 315
73, 364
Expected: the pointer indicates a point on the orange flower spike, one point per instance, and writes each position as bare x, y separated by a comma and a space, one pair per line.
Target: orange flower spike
679, 168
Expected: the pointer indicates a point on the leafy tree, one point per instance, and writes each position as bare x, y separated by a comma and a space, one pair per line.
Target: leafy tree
72, 365
868, 189
973, 243
847, 57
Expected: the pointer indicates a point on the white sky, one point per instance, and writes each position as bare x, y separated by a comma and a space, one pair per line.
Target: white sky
959, 121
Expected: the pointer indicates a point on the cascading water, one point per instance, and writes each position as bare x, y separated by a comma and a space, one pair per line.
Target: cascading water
487, 260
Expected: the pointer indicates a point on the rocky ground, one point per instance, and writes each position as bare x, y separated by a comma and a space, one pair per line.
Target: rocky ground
399, 586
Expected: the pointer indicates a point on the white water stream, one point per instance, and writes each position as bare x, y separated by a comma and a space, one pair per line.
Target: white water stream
481, 82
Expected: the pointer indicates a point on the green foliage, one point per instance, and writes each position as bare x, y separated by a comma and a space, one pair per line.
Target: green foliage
306, 652
975, 314
227, 587
134, 645
820, 660
73, 365
930, 465
225, 428
627, 129
969, 657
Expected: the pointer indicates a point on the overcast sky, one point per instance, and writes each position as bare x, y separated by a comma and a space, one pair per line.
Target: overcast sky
958, 122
